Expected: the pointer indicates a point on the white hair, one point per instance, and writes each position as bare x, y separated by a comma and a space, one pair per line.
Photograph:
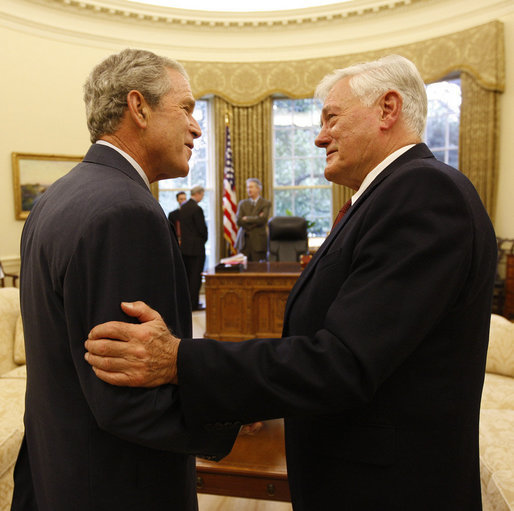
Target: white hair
369, 80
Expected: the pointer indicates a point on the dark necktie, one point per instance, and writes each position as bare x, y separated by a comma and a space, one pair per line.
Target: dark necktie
342, 212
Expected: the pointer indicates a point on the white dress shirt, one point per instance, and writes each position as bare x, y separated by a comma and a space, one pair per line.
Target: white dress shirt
377, 170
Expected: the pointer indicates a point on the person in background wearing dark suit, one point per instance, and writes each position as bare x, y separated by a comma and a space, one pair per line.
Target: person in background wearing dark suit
252, 220
194, 235
380, 369
174, 216
97, 237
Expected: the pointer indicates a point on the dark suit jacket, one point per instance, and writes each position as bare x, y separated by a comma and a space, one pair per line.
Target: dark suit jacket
193, 228
252, 234
174, 216
380, 370
95, 238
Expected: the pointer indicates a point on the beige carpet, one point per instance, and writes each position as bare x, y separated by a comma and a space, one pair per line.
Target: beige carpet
216, 503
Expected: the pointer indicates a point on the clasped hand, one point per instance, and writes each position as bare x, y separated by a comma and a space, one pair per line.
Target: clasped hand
132, 355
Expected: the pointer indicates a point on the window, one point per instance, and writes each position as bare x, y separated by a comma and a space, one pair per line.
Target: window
442, 132
201, 172
299, 185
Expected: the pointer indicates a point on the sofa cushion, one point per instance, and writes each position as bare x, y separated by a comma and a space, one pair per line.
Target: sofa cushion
19, 343
498, 392
497, 458
500, 355
17, 372
12, 401
9, 313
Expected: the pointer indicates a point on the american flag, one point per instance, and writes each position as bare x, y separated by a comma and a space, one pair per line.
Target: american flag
229, 196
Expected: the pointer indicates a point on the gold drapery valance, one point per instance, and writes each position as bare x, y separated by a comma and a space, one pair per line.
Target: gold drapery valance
478, 51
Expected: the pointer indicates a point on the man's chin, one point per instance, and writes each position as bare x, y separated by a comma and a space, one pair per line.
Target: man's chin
173, 174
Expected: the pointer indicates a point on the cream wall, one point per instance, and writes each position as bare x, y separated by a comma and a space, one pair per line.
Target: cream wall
49, 46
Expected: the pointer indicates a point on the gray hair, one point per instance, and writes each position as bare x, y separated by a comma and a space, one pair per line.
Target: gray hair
369, 80
254, 180
106, 88
197, 189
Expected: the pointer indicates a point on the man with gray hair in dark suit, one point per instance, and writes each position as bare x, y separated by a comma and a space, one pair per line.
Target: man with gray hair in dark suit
97, 237
252, 220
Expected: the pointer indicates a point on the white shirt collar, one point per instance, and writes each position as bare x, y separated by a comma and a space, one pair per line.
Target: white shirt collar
129, 158
378, 169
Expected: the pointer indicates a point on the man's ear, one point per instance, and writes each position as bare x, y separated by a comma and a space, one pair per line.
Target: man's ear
138, 108
391, 104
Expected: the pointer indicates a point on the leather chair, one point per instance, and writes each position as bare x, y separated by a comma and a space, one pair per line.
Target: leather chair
287, 238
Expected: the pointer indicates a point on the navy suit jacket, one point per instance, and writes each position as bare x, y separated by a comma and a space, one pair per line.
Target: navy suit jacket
95, 238
380, 369
193, 228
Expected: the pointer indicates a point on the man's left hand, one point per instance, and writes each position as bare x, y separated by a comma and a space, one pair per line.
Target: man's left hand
131, 355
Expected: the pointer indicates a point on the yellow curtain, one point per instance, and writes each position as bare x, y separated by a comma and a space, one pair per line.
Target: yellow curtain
478, 139
251, 134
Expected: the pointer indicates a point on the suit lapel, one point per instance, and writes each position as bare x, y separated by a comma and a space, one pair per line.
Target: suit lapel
100, 154
418, 151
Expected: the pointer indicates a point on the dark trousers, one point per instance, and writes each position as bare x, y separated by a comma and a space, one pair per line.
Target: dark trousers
194, 267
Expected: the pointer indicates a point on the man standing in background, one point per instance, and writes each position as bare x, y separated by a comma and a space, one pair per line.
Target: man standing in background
174, 216
194, 235
252, 220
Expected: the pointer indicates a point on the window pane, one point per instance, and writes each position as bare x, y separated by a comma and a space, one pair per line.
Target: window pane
283, 202
302, 172
299, 165
282, 112
168, 201
283, 142
284, 172
302, 142
453, 157
442, 133
318, 171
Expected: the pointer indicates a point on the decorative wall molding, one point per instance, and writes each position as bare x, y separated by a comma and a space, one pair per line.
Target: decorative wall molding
478, 51
122, 11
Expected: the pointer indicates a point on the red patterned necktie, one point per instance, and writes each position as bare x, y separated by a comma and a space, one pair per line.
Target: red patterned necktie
342, 212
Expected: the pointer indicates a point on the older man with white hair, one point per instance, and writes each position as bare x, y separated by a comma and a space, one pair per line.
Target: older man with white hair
380, 368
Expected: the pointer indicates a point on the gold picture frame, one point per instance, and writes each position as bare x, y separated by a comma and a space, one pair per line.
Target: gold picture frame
33, 174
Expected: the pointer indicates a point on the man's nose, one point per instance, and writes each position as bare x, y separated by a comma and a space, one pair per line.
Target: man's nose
195, 128
322, 139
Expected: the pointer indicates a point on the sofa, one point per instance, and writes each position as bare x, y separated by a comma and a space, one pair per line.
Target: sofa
496, 419
12, 389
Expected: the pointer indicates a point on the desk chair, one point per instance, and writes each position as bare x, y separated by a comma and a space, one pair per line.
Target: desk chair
287, 238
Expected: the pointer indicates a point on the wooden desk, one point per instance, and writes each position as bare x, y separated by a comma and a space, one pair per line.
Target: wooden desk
241, 306
256, 467
248, 304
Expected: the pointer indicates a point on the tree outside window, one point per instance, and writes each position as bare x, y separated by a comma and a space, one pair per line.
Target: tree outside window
299, 186
442, 132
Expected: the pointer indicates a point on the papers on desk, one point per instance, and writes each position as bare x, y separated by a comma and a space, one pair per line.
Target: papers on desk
237, 262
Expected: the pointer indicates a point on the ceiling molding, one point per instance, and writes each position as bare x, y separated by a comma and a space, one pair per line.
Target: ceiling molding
120, 11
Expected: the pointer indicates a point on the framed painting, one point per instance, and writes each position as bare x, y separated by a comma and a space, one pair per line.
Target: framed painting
33, 174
